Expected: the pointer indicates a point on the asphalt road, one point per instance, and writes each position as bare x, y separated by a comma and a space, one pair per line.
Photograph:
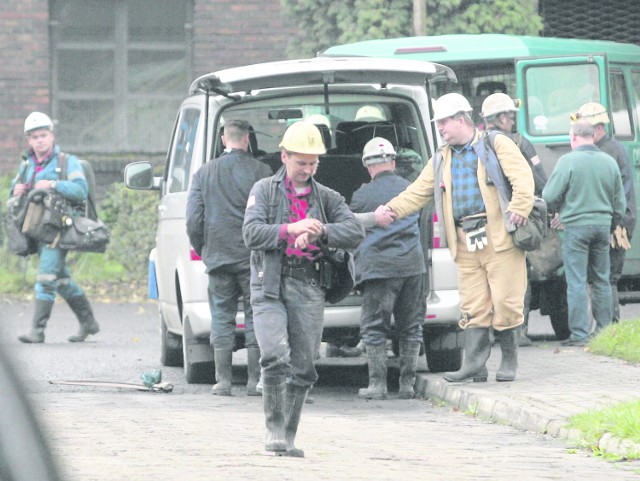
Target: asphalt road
113, 434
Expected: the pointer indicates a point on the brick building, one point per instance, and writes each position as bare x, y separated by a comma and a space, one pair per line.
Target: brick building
111, 73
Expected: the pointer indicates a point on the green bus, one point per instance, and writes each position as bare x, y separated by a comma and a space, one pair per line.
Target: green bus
553, 77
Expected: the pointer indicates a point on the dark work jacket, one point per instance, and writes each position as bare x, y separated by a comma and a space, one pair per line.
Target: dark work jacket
614, 148
389, 252
215, 208
263, 236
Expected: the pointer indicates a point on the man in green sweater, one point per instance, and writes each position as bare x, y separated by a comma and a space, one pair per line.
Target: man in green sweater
586, 189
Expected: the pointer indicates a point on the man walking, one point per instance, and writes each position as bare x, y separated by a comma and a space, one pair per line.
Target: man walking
390, 273
215, 212
492, 275
597, 116
586, 189
288, 220
40, 170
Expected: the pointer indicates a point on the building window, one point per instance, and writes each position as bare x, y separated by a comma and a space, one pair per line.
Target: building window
120, 70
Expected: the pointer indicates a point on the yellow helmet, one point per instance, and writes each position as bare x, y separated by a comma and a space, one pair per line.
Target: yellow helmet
593, 112
303, 137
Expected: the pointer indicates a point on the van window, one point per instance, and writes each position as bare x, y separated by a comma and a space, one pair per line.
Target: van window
554, 92
620, 108
635, 82
178, 178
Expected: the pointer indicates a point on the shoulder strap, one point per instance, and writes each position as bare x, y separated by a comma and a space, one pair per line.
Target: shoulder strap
62, 165
271, 200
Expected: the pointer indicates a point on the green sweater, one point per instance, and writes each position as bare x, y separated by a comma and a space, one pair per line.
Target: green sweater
586, 188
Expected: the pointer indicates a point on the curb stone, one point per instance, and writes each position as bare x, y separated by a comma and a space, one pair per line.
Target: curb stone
504, 410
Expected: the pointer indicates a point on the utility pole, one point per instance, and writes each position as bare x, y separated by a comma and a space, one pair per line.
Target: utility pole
419, 17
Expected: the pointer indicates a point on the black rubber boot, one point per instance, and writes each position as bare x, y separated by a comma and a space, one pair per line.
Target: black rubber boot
41, 315
509, 363
253, 371
295, 399
377, 363
273, 398
615, 298
409, 352
83, 311
222, 359
477, 350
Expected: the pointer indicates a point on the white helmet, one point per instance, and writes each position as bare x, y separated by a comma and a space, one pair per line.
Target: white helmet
378, 150
37, 120
450, 104
370, 113
498, 103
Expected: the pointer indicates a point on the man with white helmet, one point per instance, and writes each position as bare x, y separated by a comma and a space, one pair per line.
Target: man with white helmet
288, 221
596, 114
39, 169
390, 273
499, 113
492, 275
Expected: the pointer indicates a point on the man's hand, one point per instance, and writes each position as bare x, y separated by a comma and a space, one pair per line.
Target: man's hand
305, 226
43, 184
555, 222
384, 216
517, 219
19, 189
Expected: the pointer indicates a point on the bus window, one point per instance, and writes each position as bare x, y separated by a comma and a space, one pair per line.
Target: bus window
620, 109
554, 91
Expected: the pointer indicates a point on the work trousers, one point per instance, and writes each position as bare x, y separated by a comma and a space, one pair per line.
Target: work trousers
585, 253
289, 331
402, 297
492, 286
226, 285
53, 276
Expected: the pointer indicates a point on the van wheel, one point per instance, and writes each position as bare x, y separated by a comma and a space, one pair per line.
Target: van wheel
199, 367
170, 345
443, 347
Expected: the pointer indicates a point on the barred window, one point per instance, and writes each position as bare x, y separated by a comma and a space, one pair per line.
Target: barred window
120, 69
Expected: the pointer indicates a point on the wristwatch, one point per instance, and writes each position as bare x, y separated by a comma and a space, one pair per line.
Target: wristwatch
53, 184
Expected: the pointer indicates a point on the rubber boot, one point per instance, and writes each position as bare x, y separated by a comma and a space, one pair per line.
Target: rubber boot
41, 315
615, 298
222, 359
253, 371
377, 362
273, 399
477, 350
83, 311
509, 363
295, 399
409, 352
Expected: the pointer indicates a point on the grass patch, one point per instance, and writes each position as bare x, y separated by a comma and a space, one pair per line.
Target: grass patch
621, 420
620, 340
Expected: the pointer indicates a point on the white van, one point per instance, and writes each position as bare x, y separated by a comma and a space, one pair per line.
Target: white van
270, 96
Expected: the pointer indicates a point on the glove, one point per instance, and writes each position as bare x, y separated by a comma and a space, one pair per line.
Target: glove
619, 238
476, 239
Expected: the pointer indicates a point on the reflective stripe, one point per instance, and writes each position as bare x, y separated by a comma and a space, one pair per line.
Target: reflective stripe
46, 277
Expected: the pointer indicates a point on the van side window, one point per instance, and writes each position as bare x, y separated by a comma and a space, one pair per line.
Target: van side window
183, 145
620, 109
635, 82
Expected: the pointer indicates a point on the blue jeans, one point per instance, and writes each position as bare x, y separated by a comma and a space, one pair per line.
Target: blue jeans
585, 252
226, 285
289, 331
54, 276
402, 297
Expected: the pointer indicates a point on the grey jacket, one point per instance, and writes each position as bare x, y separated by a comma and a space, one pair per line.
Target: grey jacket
262, 237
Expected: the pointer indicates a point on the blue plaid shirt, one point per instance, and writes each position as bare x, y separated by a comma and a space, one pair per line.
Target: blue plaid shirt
467, 199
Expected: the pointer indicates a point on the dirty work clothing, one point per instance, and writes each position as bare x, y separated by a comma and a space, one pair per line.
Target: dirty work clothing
492, 286
226, 285
216, 204
288, 311
53, 274
394, 251
402, 297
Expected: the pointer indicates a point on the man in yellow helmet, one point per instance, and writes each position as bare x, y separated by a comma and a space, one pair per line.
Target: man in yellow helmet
288, 220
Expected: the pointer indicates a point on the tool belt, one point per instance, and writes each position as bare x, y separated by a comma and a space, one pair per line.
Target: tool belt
301, 269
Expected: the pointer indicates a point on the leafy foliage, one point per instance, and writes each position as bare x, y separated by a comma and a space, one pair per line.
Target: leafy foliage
323, 23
